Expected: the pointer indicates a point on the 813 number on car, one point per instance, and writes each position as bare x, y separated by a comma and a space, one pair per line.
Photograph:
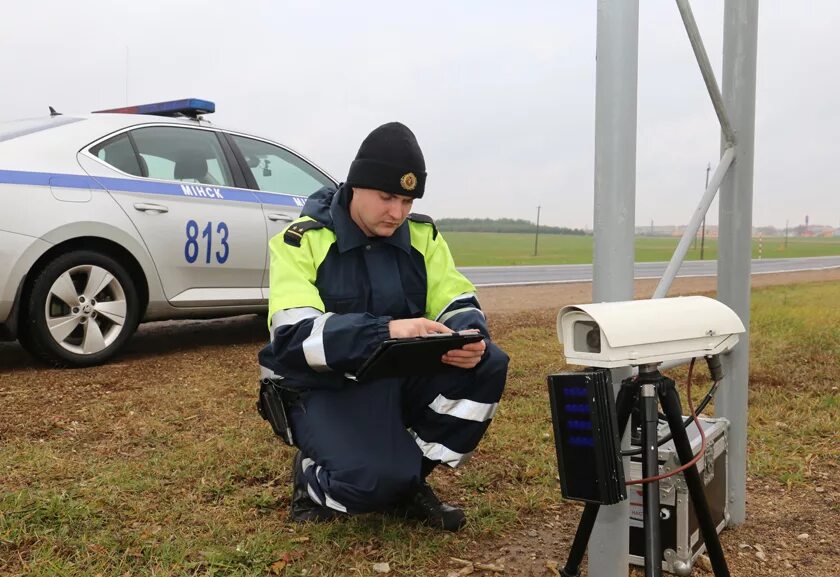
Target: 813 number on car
192, 248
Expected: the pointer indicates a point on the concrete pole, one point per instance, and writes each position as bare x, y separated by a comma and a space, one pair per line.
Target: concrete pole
617, 54
740, 41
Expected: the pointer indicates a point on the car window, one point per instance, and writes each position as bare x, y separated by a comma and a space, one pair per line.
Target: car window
278, 170
119, 153
184, 154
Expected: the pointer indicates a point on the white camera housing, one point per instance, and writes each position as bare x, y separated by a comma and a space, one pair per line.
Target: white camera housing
619, 334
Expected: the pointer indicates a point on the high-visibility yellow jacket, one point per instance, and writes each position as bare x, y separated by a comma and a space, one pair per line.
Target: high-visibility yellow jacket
333, 291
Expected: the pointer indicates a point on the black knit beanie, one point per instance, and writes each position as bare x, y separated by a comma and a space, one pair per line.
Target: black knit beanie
390, 160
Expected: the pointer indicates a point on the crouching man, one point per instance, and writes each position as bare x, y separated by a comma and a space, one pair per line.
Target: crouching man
356, 269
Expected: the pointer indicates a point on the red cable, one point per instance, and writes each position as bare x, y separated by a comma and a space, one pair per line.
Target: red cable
696, 458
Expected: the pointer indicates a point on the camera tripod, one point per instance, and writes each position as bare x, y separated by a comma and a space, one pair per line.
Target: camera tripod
643, 392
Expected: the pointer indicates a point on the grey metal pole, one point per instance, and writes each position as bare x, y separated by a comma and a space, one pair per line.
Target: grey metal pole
537, 235
740, 41
703, 234
616, 77
705, 68
693, 224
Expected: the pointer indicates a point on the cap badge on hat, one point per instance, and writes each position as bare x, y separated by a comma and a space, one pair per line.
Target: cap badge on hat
408, 181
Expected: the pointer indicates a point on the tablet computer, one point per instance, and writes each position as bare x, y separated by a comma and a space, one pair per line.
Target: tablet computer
413, 355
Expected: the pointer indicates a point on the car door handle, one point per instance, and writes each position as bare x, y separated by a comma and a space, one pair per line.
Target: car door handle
149, 207
275, 217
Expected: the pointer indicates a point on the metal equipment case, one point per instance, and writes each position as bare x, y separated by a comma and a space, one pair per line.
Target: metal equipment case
681, 539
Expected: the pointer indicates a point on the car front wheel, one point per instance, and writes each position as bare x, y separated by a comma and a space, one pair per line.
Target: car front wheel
81, 310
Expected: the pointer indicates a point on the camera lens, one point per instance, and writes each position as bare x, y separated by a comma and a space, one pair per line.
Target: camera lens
593, 340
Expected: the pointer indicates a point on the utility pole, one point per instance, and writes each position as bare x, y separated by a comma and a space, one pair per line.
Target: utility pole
537, 235
703, 233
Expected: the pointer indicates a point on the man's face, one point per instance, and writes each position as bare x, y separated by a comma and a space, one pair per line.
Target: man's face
379, 213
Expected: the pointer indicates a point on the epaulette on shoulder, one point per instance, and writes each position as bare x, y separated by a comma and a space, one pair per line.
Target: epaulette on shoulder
294, 233
425, 219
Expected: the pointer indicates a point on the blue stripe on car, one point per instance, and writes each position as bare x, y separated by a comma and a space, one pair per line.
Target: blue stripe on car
275, 198
188, 189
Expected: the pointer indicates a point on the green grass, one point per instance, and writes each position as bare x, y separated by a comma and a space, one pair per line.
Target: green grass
124, 481
794, 398
487, 249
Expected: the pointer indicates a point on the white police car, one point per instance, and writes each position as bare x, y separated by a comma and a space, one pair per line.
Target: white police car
136, 214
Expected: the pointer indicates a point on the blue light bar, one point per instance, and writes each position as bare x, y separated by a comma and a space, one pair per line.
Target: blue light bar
191, 107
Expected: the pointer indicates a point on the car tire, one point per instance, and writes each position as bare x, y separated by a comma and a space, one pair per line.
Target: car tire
81, 309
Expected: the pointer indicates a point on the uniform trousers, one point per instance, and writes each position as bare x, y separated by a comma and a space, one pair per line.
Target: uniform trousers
364, 446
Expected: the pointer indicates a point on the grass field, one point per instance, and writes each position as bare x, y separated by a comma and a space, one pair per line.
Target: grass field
482, 249
158, 465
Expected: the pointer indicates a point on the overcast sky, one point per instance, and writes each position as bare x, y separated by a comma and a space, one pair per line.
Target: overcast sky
501, 95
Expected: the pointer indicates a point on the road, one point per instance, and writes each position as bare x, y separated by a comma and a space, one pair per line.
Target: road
545, 274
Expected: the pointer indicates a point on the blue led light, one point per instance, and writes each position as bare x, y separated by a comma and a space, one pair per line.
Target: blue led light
187, 107
579, 425
574, 391
576, 408
581, 441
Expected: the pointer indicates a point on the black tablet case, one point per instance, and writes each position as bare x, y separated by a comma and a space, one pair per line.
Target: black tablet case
413, 355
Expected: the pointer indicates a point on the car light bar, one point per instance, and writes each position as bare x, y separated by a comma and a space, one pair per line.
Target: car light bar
191, 107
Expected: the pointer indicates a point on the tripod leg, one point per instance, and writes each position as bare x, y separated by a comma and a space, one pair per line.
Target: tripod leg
673, 411
584, 531
650, 491
627, 396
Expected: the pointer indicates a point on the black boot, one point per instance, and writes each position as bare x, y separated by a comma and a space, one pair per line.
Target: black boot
424, 505
304, 509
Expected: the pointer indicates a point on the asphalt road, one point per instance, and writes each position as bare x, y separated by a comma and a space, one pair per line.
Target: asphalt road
546, 274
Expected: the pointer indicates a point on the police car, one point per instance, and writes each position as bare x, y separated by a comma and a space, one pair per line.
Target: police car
136, 214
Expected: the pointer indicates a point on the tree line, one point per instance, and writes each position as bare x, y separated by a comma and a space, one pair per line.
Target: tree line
501, 225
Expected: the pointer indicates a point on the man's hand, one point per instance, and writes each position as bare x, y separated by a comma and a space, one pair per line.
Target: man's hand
466, 357
404, 328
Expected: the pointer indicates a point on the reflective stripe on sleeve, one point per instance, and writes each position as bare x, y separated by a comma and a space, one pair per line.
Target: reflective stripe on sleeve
291, 317
442, 453
461, 296
464, 409
266, 373
446, 316
313, 346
